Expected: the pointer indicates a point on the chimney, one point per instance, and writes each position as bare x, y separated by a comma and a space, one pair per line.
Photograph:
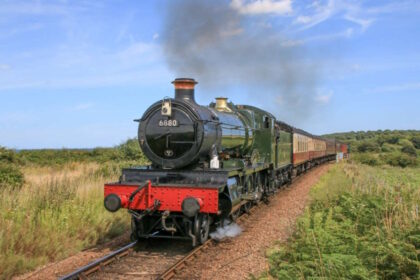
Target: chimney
184, 89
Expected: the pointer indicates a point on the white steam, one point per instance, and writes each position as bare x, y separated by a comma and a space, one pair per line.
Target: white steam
228, 230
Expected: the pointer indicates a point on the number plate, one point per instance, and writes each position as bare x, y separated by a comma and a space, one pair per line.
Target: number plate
168, 123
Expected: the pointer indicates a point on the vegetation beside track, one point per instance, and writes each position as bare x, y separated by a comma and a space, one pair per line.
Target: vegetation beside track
51, 203
383, 147
362, 223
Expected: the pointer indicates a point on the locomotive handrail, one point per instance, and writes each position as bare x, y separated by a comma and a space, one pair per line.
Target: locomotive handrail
138, 190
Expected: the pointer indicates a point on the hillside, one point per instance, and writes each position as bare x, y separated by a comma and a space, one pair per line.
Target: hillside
383, 147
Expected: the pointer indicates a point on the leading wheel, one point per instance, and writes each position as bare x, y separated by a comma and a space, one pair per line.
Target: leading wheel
202, 228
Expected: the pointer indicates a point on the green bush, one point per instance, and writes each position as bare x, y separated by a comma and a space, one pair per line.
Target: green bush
7, 156
130, 150
368, 159
10, 176
392, 139
416, 141
368, 146
400, 159
408, 148
387, 148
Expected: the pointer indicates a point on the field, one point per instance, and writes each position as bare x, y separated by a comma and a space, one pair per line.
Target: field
51, 203
362, 223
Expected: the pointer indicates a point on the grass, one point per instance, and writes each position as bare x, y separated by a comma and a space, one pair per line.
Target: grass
362, 223
56, 213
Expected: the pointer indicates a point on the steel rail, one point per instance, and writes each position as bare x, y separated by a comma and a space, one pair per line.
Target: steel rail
182, 263
94, 266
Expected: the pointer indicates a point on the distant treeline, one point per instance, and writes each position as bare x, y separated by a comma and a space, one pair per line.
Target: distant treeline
392, 147
128, 151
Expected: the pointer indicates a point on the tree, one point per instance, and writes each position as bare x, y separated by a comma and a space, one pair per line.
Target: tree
416, 141
368, 146
7, 156
408, 148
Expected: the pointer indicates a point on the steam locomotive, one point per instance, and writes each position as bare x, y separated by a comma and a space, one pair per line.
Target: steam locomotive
209, 164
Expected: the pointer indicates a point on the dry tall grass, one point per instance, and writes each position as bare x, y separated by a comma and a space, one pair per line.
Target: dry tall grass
58, 212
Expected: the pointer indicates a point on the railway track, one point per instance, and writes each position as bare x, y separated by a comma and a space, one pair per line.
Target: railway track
183, 263
98, 265
153, 259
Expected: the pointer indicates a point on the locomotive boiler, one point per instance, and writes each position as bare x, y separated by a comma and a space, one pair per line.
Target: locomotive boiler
208, 164
178, 133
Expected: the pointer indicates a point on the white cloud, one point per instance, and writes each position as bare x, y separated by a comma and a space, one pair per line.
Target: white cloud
155, 36
347, 33
364, 23
324, 97
318, 13
254, 7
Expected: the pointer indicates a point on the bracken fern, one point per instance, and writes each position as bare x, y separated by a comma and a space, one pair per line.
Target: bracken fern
362, 223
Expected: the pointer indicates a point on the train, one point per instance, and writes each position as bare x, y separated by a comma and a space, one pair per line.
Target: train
209, 164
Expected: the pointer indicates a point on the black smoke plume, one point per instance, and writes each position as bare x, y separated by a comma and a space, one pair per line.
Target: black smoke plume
221, 48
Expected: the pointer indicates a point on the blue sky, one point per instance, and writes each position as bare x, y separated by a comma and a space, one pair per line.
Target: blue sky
77, 73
